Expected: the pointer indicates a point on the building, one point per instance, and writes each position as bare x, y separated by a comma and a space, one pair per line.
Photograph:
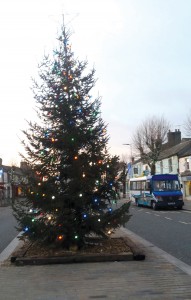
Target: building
11, 180
175, 158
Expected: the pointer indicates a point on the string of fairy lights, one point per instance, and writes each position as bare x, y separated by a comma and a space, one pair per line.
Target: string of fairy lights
67, 101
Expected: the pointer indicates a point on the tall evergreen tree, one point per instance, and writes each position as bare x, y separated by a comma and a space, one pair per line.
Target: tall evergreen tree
67, 155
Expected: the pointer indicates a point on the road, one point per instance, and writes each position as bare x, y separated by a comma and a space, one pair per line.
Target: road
7, 227
169, 230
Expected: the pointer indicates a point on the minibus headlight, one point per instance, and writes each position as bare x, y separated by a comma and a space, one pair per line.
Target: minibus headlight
159, 198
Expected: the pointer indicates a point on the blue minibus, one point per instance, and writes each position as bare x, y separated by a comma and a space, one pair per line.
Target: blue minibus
157, 191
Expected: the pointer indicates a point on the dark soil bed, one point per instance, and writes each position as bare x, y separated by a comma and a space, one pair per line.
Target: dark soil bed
95, 250
93, 245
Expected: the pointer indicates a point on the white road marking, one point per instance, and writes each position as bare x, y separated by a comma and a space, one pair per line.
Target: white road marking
168, 218
184, 222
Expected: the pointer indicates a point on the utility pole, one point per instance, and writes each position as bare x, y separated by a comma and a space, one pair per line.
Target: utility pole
12, 183
125, 172
131, 150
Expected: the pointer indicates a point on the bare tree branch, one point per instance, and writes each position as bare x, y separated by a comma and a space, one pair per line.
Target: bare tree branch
148, 139
187, 126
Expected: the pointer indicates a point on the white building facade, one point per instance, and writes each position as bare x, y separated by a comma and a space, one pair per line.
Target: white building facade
174, 159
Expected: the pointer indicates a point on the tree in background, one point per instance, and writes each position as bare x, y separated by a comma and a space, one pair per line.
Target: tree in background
188, 124
67, 155
149, 138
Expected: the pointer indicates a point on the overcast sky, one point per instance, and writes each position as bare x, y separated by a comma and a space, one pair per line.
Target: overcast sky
141, 51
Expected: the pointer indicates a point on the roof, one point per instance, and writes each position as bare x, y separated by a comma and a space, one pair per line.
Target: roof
17, 170
182, 149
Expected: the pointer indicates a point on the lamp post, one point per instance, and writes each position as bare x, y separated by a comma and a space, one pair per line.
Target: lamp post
1, 185
125, 178
131, 150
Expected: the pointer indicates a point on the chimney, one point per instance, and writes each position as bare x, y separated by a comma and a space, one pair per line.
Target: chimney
23, 165
174, 138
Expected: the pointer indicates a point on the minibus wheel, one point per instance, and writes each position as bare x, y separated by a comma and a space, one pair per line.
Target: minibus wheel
179, 207
153, 205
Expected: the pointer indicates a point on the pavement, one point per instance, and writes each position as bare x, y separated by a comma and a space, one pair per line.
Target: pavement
187, 205
159, 276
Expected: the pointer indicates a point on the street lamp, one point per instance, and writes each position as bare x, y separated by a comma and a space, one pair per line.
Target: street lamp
126, 183
131, 150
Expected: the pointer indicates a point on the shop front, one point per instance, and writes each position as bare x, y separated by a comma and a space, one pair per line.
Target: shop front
186, 182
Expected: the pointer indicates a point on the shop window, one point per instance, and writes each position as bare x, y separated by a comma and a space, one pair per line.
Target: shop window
187, 166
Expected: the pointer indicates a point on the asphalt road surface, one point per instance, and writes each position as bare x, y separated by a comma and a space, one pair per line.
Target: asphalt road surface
169, 230
7, 227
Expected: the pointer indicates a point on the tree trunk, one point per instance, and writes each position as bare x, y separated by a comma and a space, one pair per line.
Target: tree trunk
153, 169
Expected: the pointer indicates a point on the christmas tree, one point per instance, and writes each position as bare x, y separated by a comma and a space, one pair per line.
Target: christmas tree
67, 156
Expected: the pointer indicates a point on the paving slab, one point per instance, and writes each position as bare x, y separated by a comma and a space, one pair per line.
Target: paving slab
153, 278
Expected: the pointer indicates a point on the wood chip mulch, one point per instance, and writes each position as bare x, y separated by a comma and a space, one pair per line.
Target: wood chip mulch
94, 245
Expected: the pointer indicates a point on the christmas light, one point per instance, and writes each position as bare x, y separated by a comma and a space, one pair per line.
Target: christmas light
69, 148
